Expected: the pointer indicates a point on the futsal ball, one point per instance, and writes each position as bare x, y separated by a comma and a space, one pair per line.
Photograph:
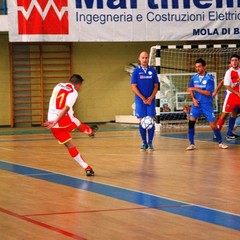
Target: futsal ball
147, 122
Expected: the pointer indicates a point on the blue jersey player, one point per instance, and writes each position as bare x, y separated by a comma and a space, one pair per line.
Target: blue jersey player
201, 87
144, 83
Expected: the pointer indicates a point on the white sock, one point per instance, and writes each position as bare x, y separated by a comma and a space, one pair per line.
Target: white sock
79, 159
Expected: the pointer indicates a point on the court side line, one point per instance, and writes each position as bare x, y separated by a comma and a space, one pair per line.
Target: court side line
193, 211
41, 224
50, 173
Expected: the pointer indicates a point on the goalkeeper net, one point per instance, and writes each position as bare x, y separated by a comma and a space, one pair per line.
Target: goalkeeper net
177, 66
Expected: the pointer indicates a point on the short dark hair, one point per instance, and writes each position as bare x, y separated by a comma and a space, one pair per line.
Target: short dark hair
76, 79
202, 61
235, 56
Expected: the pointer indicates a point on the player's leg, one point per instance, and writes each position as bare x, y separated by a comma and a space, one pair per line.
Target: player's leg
218, 135
220, 123
210, 116
151, 111
191, 133
141, 112
151, 132
64, 137
84, 128
89, 130
231, 124
227, 108
78, 158
195, 112
143, 134
221, 120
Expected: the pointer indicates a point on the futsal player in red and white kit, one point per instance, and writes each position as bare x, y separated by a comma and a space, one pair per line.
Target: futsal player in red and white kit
61, 119
232, 84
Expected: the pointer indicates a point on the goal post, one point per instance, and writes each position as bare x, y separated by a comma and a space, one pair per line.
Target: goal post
175, 66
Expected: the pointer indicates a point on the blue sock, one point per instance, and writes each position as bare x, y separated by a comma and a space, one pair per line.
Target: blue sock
218, 135
151, 134
231, 123
191, 133
143, 134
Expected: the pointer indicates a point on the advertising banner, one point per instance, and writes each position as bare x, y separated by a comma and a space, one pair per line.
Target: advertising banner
123, 20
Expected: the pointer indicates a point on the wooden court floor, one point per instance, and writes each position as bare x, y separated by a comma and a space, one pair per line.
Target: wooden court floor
167, 194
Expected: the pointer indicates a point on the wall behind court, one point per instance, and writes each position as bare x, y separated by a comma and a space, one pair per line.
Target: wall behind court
106, 91
5, 104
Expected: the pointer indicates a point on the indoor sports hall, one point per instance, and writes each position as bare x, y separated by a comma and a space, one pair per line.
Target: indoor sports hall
168, 193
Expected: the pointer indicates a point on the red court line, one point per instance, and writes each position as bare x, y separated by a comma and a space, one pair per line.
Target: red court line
44, 225
103, 210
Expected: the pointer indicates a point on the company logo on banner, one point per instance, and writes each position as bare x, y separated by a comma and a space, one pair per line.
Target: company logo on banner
123, 20
42, 17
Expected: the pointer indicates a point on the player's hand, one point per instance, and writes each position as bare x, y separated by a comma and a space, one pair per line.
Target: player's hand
195, 103
214, 93
192, 89
145, 101
186, 109
149, 101
49, 124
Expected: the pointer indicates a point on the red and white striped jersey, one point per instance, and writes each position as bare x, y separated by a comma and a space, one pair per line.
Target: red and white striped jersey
232, 79
64, 94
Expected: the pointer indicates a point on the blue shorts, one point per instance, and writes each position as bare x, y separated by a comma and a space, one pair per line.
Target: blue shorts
204, 109
142, 110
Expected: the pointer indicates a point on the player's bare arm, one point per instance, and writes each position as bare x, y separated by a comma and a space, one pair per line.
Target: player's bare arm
155, 89
50, 124
204, 92
138, 93
229, 88
195, 101
219, 86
